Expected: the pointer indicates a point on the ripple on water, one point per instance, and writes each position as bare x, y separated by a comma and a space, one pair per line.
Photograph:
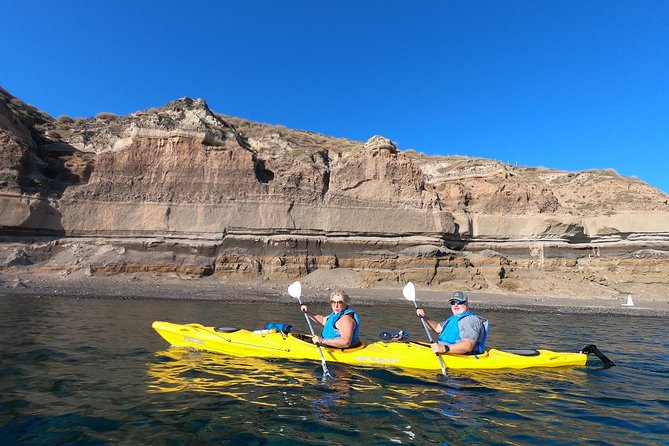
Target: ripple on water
70, 428
40, 355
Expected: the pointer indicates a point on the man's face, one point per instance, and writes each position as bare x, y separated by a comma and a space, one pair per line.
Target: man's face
458, 308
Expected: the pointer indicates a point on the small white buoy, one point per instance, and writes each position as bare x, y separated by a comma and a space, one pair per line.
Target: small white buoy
630, 302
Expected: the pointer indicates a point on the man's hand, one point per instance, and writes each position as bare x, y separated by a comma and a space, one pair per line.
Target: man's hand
439, 348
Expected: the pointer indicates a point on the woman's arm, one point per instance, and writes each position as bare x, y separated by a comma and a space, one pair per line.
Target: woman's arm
316, 317
346, 327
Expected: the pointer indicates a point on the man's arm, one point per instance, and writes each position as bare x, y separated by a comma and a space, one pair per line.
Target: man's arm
461, 347
432, 325
470, 328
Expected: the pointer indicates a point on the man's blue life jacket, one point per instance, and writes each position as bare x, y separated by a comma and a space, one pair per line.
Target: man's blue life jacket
331, 332
451, 332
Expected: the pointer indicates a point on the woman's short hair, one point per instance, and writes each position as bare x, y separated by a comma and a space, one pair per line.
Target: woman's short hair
340, 293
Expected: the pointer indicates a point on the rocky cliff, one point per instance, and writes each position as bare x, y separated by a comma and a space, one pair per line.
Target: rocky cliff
183, 189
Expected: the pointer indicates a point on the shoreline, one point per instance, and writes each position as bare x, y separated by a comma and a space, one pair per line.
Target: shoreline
212, 288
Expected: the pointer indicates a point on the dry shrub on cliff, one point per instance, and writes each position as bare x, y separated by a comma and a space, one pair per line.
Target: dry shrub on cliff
301, 141
107, 116
8, 179
509, 285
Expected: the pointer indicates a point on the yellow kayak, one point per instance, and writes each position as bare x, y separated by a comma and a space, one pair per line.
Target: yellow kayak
412, 355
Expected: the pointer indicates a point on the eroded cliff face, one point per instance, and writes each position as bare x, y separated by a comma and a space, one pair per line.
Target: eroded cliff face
183, 189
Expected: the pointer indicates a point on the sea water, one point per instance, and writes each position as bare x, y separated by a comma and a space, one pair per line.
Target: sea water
93, 372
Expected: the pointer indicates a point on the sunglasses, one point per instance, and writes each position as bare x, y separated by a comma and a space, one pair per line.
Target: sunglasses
336, 302
457, 302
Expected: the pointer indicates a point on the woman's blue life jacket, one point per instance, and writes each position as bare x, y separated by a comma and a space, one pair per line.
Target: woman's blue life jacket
451, 331
331, 332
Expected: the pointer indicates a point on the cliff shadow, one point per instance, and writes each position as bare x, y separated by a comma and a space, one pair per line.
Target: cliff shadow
455, 241
54, 166
44, 219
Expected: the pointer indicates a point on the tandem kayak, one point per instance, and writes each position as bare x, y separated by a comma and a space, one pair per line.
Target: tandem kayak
412, 355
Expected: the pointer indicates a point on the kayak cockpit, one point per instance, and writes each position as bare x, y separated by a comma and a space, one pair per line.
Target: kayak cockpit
307, 338
520, 352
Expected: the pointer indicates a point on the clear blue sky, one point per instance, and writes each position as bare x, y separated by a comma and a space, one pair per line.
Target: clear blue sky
571, 85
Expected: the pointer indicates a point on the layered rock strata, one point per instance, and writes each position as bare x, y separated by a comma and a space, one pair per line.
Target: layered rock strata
182, 189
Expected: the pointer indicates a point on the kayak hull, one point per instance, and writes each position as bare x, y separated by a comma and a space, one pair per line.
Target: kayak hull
412, 355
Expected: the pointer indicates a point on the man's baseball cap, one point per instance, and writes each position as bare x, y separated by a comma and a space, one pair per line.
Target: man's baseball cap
461, 296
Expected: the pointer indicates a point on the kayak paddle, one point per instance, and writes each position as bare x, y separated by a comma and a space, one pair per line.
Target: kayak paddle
295, 290
409, 293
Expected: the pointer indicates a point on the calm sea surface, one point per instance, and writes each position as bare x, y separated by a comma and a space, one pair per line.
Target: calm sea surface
87, 371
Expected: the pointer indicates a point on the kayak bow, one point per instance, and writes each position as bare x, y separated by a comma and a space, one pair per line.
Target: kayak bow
416, 355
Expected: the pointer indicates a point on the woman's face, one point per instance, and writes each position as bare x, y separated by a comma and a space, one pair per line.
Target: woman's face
338, 304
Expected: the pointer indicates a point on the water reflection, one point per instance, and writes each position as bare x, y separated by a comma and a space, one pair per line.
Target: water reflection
181, 369
401, 405
368, 392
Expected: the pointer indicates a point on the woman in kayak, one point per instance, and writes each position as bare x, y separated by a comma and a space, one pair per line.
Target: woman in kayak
462, 333
341, 326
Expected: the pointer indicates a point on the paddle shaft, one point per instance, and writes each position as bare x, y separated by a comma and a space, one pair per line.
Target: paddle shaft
429, 336
311, 329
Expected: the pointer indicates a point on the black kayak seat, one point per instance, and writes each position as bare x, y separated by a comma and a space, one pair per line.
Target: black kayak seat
226, 329
355, 344
520, 352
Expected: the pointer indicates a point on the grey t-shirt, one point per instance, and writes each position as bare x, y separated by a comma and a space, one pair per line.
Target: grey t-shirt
471, 327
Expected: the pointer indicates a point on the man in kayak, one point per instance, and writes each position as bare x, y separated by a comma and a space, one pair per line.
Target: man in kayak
462, 333
341, 326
